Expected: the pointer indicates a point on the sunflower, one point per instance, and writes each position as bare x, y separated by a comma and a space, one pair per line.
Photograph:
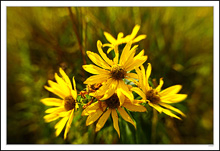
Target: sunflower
65, 106
120, 40
102, 109
111, 73
156, 98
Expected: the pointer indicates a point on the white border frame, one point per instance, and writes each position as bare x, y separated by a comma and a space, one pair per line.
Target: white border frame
214, 4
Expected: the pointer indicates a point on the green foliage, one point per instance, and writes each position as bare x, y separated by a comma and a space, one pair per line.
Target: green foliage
179, 46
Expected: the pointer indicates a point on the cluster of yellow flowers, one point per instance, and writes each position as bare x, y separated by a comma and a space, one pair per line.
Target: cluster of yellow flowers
109, 91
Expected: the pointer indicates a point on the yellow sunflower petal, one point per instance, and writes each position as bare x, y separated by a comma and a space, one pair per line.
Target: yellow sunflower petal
168, 112
124, 53
51, 117
140, 77
68, 125
62, 84
94, 69
134, 107
136, 63
132, 75
115, 121
160, 85
55, 91
125, 116
95, 58
157, 107
96, 79
139, 92
99, 46
110, 49
173, 108
60, 125
107, 45
171, 90
135, 31
125, 90
109, 37
121, 97
120, 35
139, 38
175, 98
116, 55
102, 120
148, 72
109, 91
52, 101
130, 56
65, 77
93, 117
55, 109
90, 109
59, 88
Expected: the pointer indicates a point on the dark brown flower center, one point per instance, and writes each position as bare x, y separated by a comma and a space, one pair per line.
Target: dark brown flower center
69, 103
113, 101
117, 72
153, 96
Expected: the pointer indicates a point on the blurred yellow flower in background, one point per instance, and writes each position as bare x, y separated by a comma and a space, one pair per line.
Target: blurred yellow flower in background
65, 106
120, 40
156, 98
112, 72
102, 109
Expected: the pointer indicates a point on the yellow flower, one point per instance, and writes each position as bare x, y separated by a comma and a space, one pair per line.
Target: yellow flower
112, 72
156, 98
120, 40
65, 106
102, 109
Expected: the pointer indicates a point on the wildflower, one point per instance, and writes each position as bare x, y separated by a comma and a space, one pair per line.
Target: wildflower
120, 40
112, 72
102, 109
156, 98
65, 106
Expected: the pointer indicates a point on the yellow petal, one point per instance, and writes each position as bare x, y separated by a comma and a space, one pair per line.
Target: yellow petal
108, 92
136, 63
55, 91
55, 109
140, 78
115, 121
148, 72
51, 117
139, 92
134, 107
68, 125
66, 78
124, 53
99, 46
130, 56
139, 38
96, 79
116, 55
168, 112
121, 97
102, 120
90, 109
125, 116
175, 98
60, 125
124, 89
52, 101
109, 37
157, 107
93, 117
160, 85
62, 85
108, 45
135, 31
171, 90
74, 91
95, 58
59, 88
132, 75
94, 69
143, 75
110, 49
173, 108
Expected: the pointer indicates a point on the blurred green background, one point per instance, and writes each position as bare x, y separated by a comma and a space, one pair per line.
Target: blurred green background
179, 46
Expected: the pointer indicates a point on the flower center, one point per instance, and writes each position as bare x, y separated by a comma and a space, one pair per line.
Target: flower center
69, 103
117, 72
153, 96
113, 101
